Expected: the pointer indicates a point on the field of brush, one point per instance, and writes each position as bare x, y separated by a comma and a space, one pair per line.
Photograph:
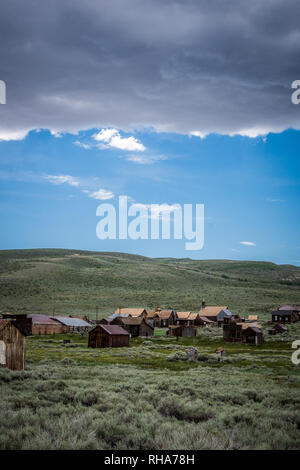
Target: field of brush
149, 396
72, 281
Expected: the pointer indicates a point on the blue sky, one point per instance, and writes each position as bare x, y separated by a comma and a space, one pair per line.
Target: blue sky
52, 184
164, 102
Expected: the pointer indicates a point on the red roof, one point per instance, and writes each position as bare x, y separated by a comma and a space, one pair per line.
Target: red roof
113, 329
42, 319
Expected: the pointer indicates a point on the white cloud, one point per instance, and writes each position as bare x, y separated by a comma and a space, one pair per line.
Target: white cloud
112, 138
62, 179
248, 243
145, 159
101, 194
82, 144
269, 199
105, 135
13, 135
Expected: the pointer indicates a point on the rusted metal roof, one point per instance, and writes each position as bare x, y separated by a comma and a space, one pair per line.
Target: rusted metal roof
72, 322
42, 319
113, 329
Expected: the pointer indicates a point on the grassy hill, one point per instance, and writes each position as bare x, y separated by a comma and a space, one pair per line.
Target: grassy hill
73, 281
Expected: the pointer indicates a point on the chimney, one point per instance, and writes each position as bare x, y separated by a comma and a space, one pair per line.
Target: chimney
203, 304
97, 309
158, 309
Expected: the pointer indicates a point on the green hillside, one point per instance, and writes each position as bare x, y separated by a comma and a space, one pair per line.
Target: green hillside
73, 281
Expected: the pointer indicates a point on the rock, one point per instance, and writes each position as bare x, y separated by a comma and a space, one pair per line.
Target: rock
192, 353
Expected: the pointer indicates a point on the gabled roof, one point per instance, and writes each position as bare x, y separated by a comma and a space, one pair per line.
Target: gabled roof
113, 329
165, 313
290, 307
183, 315
211, 311
134, 312
135, 321
193, 316
42, 319
73, 322
205, 319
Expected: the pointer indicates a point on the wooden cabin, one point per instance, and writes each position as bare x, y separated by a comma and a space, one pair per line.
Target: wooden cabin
286, 314
278, 329
133, 312
182, 318
44, 325
182, 331
12, 346
135, 326
236, 332
162, 318
108, 336
214, 313
73, 324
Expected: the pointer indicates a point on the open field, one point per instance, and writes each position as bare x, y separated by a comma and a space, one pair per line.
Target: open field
72, 281
148, 396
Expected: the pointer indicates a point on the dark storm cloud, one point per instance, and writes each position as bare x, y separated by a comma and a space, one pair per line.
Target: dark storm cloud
192, 66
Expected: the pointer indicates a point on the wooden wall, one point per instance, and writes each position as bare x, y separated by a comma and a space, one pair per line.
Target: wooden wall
14, 347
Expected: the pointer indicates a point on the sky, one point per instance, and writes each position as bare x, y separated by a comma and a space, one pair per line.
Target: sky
164, 102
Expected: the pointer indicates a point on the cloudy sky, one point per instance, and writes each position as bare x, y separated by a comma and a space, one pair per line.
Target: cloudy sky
164, 101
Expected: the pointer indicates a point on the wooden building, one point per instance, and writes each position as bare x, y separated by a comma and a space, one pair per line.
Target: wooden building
44, 325
162, 318
182, 318
133, 312
286, 314
108, 336
181, 330
21, 321
12, 346
135, 326
214, 313
278, 329
236, 332
73, 324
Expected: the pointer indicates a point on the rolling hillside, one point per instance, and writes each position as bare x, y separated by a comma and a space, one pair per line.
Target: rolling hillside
72, 281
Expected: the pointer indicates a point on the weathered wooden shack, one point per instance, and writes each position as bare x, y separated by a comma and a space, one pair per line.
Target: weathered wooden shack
286, 314
12, 346
133, 312
182, 318
181, 330
44, 325
236, 332
214, 313
135, 326
21, 321
278, 329
108, 336
162, 318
